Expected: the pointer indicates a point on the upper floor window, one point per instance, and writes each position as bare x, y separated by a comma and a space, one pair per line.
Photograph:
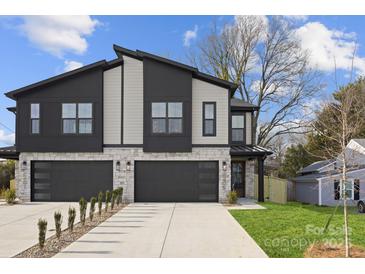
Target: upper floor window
77, 118
238, 126
209, 119
167, 118
34, 118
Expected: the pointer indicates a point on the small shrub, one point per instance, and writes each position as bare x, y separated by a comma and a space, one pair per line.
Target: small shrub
120, 194
58, 223
10, 196
42, 229
83, 207
107, 199
232, 197
2, 192
12, 184
114, 198
92, 208
100, 201
71, 218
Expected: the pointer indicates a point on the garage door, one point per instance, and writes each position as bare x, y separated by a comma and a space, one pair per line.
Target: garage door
70, 180
172, 181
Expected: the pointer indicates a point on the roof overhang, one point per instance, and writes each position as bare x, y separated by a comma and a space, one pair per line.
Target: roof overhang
253, 108
12, 109
249, 150
9, 153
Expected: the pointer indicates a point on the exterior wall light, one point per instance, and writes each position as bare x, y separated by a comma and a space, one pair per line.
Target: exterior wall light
24, 164
224, 166
128, 165
118, 165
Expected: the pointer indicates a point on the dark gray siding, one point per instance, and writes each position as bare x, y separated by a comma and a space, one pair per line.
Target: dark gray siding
166, 83
306, 192
83, 87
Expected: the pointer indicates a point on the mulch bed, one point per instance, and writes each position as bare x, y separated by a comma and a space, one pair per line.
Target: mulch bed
324, 251
53, 245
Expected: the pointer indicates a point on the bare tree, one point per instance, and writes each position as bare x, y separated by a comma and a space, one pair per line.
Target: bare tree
264, 58
342, 120
347, 120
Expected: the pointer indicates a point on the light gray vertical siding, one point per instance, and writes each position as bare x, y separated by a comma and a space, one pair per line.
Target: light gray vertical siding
249, 128
307, 192
328, 193
133, 101
206, 92
112, 105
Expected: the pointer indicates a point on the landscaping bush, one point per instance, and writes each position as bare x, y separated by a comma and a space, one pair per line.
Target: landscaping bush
2, 192
107, 199
83, 207
114, 198
232, 197
58, 223
92, 208
42, 229
12, 184
100, 201
120, 194
10, 196
71, 218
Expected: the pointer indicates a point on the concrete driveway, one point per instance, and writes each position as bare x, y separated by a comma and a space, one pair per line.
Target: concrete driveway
182, 230
18, 224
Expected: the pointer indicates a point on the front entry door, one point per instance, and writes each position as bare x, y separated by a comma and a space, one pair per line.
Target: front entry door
238, 178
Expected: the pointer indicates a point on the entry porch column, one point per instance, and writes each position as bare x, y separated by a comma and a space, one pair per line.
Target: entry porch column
261, 182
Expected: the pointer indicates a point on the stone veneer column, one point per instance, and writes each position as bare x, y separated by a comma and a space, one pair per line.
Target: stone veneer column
250, 179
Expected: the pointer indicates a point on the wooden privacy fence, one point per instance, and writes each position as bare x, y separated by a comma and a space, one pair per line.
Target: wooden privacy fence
275, 189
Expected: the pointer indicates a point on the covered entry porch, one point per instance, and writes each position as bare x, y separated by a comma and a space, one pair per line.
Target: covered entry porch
244, 159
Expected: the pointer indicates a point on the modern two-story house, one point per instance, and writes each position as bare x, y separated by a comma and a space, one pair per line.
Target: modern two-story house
162, 130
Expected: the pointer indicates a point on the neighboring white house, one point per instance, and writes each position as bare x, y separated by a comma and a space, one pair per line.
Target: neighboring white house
319, 183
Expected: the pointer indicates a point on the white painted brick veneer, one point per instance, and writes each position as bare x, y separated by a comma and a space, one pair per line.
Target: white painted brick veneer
123, 177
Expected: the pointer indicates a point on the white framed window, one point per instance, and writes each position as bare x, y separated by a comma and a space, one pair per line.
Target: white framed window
347, 189
35, 118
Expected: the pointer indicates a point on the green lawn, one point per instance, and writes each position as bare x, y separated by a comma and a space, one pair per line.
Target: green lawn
284, 231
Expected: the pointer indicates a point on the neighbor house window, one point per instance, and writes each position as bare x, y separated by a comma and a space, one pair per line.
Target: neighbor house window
209, 119
77, 118
345, 190
238, 128
167, 118
34, 118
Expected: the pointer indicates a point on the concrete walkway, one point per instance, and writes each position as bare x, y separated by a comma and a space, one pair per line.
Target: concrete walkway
18, 224
152, 230
245, 204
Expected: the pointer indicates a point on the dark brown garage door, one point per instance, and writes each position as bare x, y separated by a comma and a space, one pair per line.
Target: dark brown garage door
70, 180
176, 181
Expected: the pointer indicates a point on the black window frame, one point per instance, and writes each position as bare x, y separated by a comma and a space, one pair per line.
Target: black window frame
77, 119
35, 119
210, 119
167, 119
243, 114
